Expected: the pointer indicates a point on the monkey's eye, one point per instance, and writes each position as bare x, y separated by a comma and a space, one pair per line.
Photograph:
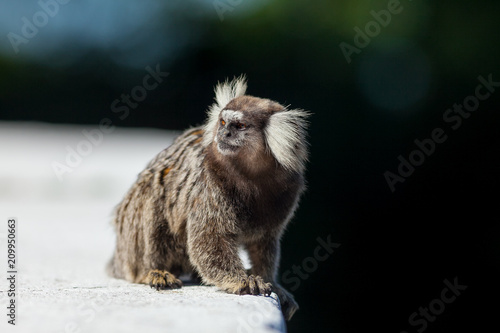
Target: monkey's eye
241, 126
222, 122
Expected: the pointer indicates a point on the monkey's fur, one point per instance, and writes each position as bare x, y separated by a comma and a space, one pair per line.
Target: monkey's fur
235, 181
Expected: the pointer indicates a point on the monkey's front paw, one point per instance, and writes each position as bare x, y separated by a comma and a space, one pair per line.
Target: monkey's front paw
253, 285
162, 280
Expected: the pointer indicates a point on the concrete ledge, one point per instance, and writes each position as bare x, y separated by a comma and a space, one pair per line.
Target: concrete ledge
118, 306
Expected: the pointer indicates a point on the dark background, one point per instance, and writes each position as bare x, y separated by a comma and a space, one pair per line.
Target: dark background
397, 247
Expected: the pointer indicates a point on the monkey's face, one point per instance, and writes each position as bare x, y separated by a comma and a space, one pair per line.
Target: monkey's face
240, 132
233, 132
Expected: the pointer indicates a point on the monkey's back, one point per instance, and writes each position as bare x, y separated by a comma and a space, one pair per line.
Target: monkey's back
177, 171
150, 221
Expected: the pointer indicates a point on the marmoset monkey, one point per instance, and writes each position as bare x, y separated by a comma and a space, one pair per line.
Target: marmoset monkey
235, 181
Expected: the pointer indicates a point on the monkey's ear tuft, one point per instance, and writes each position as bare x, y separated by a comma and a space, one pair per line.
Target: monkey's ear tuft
224, 93
286, 134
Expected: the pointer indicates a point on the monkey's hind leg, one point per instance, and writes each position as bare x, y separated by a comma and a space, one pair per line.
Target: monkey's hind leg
160, 279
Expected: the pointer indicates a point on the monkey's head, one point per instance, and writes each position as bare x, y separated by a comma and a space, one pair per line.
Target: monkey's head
255, 132
242, 123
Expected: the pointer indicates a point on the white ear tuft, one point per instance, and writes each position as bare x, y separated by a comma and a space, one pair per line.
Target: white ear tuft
286, 138
224, 93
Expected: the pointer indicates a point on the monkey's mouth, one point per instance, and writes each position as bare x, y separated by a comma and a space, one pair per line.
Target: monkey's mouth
226, 148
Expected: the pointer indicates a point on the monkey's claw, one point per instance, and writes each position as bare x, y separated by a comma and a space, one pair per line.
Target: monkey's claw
162, 280
250, 285
257, 286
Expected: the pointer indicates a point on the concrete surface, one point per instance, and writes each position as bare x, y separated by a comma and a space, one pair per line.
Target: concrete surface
65, 239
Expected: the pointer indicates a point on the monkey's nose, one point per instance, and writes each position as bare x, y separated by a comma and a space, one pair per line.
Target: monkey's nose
227, 133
